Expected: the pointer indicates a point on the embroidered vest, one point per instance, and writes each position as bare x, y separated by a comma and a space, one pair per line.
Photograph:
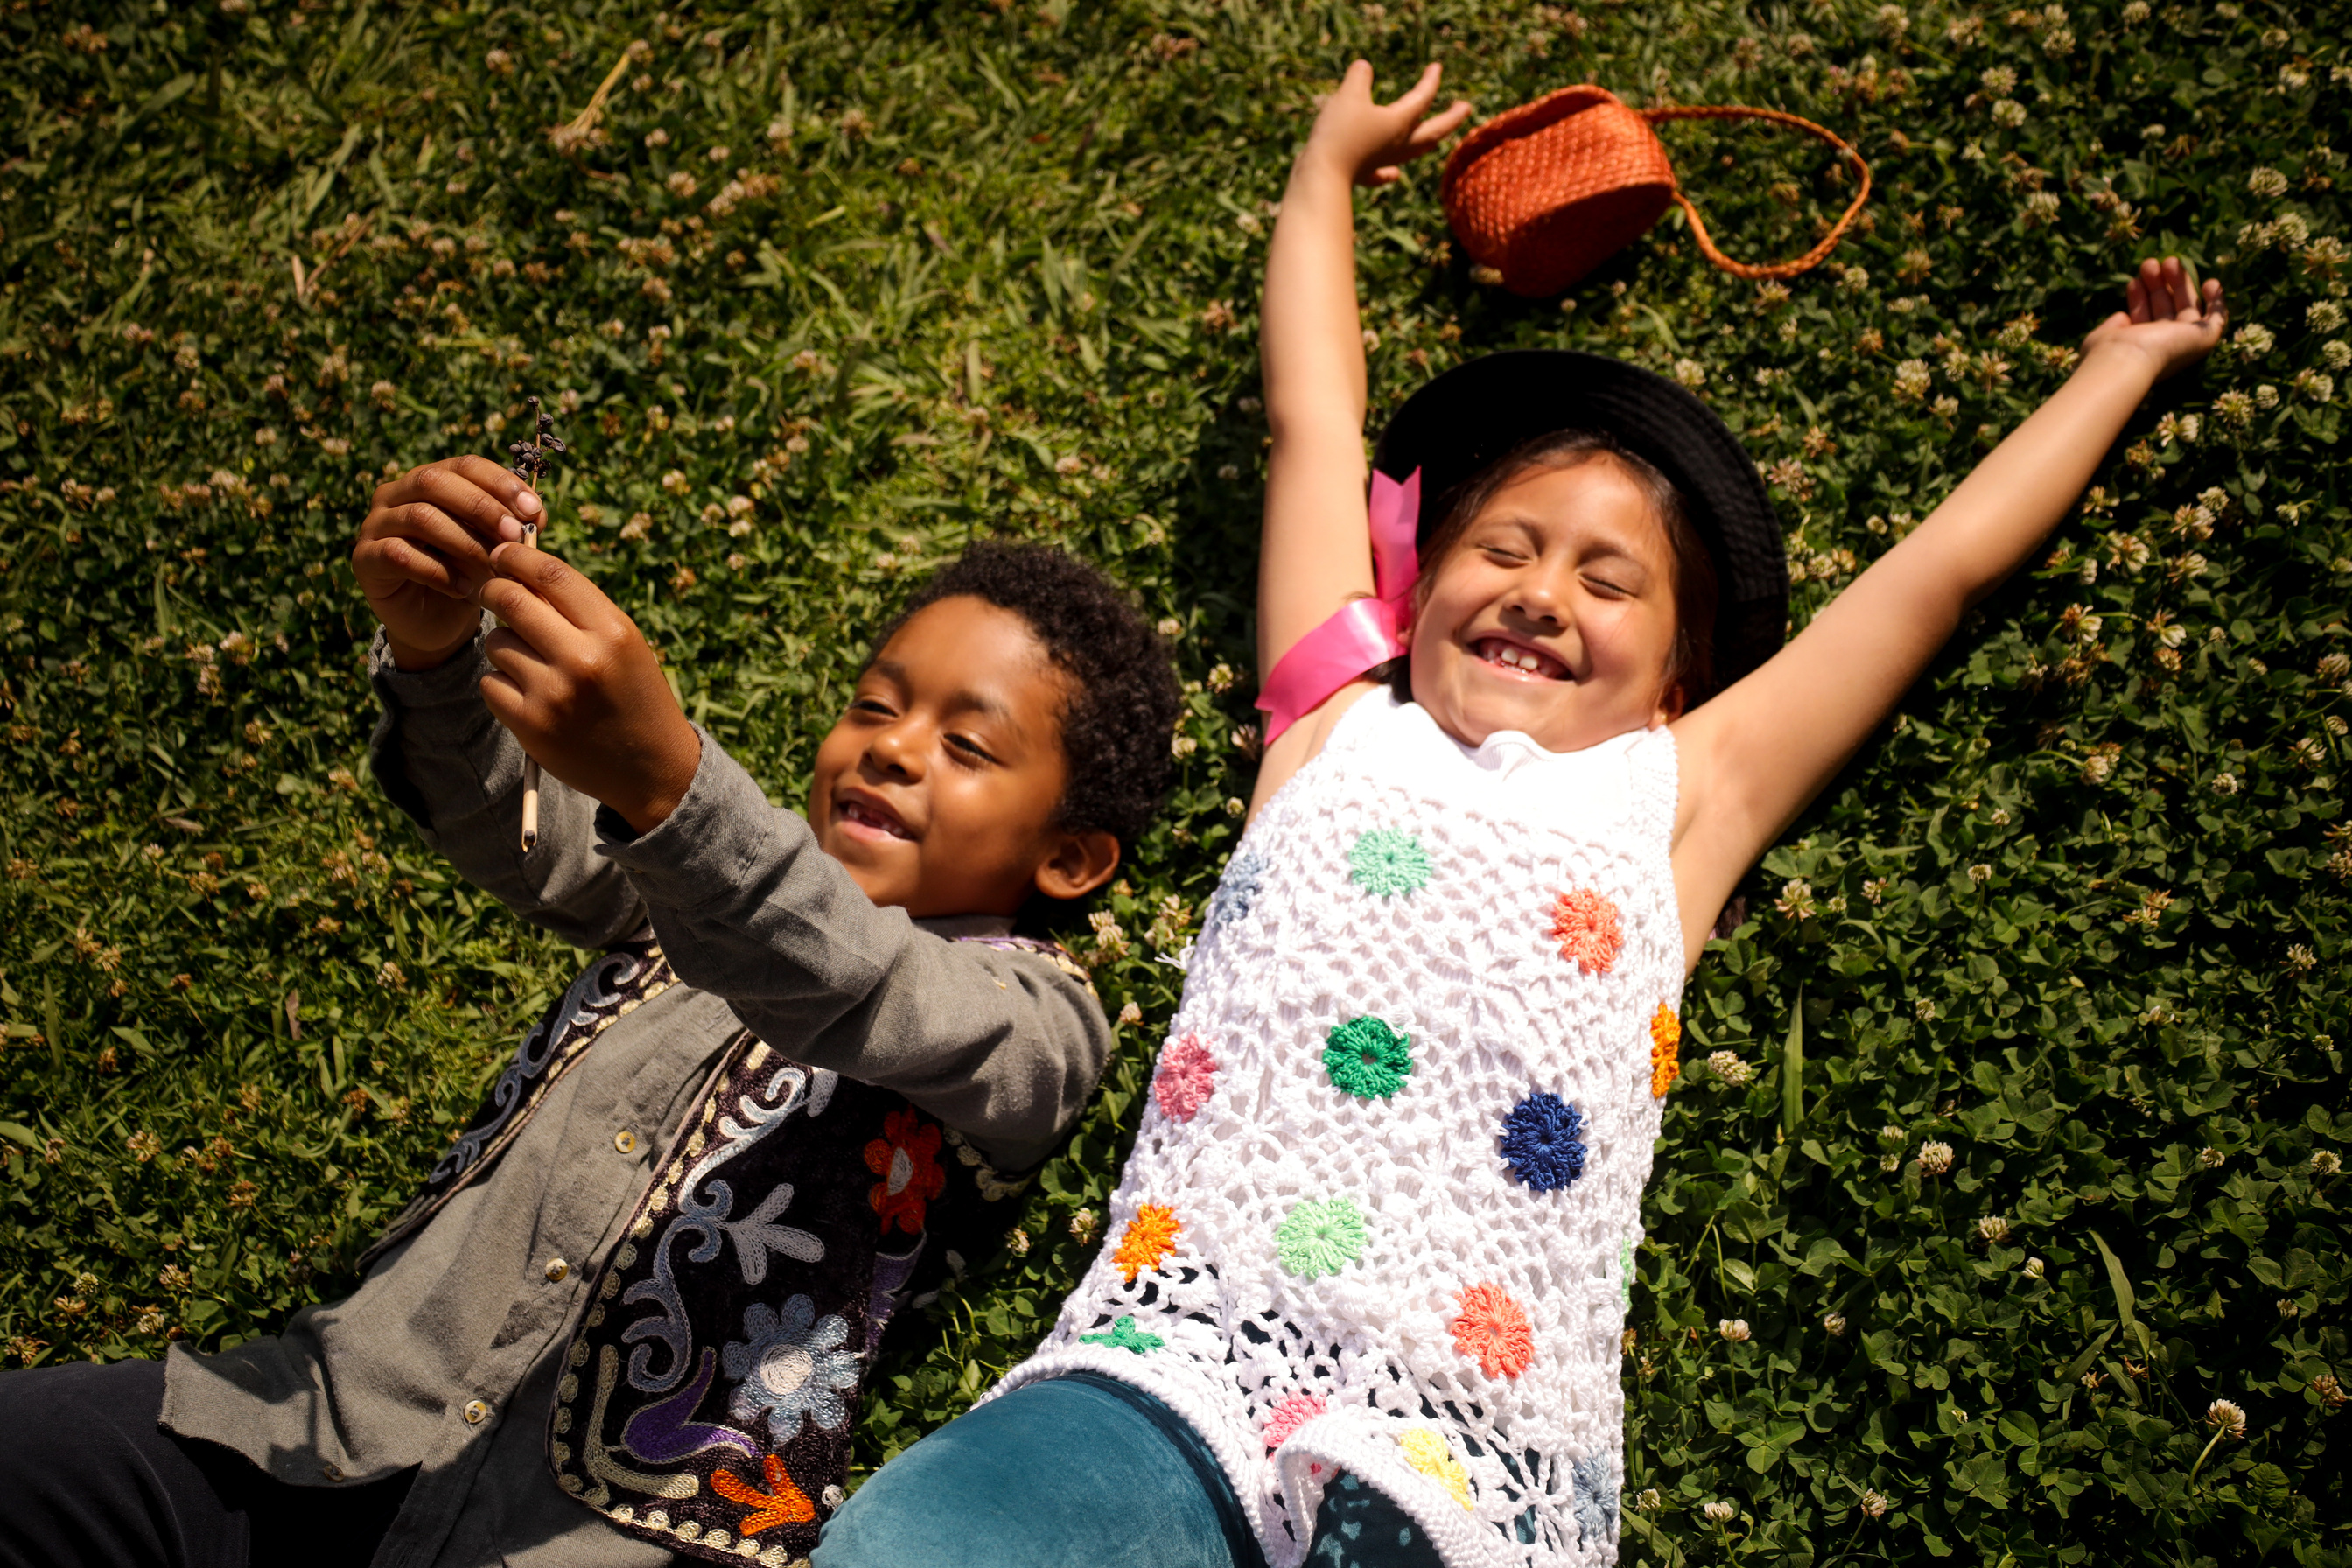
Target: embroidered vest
709, 1392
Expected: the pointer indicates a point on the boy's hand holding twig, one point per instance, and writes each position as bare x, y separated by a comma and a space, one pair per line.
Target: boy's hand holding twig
580, 689
425, 549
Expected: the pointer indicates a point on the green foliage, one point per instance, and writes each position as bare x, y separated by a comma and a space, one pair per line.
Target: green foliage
828, 292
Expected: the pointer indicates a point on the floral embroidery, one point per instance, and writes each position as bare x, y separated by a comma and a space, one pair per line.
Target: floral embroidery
1368, 1058
1237, 890
1151, 1236
1125, 1336
1295, 1411
1543, 1142
907, 1158
1425, 1451
1319, 1236
1589, 934
790, 1364
782, 1503
1494, 1331
1186, 1075
1596, 1500
1387, 861
1666, 1050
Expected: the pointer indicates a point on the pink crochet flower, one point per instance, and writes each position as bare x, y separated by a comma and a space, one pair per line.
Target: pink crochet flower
1288, 1417
1588, 930
1187, 1074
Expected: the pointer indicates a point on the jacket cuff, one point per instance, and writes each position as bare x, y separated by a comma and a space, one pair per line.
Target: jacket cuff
700, 853
439, 706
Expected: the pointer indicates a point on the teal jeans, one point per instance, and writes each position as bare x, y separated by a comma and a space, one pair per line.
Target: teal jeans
1086, 1472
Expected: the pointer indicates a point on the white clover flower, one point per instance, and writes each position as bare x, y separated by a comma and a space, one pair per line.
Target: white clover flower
2315, 385
2225, 784
2009, 113
2266, 397
1912, 380
1999, 81
1728, 1067
1719, 1512
1924, 1009
2326, 1162
1992, 1227
2254, 340
1934, 1159
1833, 1321
2299, 959
1873, 1505
1732, 1328
1690, 374
1981, 874
2033, 1267
2226, 1414
2324, 316
2266, 182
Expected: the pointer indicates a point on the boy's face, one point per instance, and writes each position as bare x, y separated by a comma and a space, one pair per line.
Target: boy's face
938, 789
1553, 615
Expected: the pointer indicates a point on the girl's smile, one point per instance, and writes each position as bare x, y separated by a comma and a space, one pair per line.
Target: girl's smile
1552, 613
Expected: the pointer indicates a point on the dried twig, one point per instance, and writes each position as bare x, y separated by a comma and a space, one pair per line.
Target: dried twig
532, 460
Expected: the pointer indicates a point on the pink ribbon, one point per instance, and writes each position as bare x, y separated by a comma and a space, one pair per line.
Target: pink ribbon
1364, 633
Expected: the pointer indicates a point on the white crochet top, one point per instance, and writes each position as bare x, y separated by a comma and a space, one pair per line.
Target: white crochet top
1381, 1211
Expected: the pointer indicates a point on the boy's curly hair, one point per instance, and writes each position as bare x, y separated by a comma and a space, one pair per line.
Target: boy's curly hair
1123, 711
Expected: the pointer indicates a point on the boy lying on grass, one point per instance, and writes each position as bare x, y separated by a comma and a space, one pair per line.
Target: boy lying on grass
651, 1272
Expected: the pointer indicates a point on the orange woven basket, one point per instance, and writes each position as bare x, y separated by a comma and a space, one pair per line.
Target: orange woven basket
1549, 191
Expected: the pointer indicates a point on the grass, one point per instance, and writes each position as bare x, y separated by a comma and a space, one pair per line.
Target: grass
900, 276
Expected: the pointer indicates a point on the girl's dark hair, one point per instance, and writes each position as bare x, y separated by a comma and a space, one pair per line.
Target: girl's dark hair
1690, 664
1124, 701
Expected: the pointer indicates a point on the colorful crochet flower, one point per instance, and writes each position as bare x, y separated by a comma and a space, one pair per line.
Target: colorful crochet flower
1319, 1236
1666, 1050
1186, 1075
1387, 861
1237, 890
1425, 1451
907, 1158
1596, 1502
1125, 1336
791, 1365
1151, 1236
782, 1503
1543, 1142
1368, 1058
1586, 926
1294, 1411
1494, 1331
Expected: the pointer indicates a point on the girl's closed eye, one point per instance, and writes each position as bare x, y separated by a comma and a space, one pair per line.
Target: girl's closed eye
969, 750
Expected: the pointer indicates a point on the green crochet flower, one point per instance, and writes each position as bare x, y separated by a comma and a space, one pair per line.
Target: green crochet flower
1125, 1336
1319, 1236
1368, 1058
1388, 861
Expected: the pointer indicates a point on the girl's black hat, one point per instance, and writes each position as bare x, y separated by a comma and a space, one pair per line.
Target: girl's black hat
1479, 412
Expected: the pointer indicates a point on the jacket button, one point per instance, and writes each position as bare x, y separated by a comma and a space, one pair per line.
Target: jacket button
477, 1412
626, 1142
556, 1270
331, 1472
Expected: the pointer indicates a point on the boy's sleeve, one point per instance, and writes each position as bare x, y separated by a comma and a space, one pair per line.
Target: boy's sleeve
1001, 1045
454, 769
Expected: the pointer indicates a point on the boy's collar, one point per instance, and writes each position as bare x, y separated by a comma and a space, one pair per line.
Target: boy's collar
955, 928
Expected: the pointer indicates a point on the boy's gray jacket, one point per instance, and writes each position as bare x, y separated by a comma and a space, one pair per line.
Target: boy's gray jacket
448, 1356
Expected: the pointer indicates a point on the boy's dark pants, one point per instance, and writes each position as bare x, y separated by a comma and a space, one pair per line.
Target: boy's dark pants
86, 1476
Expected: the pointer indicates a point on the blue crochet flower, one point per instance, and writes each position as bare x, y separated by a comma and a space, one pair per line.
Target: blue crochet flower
1238, 889
1596, 1500
1543, 1143
791, 1365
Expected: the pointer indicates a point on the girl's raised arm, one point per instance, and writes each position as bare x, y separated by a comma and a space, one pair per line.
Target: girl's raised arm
1753, 756
1315, 551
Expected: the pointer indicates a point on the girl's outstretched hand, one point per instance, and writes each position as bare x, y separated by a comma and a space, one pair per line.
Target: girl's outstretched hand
2165, 317
1369, 142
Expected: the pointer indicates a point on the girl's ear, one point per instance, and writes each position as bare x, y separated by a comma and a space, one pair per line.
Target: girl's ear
1671, 705
1078, 864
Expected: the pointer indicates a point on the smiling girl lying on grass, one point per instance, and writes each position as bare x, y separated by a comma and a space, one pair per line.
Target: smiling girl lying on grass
1375, 1244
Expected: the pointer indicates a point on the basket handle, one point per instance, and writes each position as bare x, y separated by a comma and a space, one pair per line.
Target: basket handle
1813, 257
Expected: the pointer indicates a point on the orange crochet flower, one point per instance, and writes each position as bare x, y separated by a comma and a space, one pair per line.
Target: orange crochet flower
1151, 1236
1586, 926
1492, 1331
907, 1158
782, 1503
1665, 1048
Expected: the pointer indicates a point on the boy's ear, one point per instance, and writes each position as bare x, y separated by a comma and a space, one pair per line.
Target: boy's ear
1080, 863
